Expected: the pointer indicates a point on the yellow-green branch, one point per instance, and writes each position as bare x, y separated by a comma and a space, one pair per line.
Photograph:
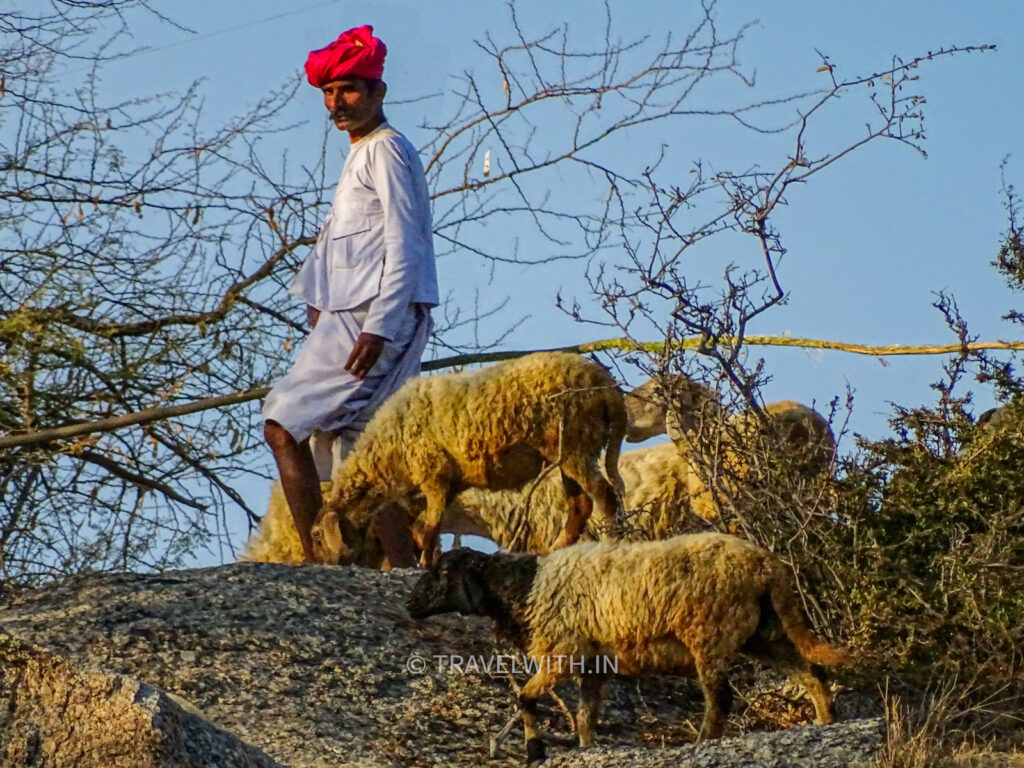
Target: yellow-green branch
150, 415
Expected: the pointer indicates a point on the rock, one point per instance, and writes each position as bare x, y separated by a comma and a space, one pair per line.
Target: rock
54, 714
320, 666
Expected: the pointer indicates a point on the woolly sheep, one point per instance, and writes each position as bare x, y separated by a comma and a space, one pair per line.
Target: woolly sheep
664, 491
661, 486
803, 434
690, 604
648, 411
277, 541
801, 430
490, 428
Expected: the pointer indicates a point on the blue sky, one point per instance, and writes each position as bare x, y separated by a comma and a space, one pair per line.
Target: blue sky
870, 241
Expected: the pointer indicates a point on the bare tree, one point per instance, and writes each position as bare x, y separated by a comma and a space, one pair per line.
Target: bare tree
145, 253
138, 262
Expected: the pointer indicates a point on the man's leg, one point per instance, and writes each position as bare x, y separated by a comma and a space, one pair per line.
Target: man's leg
298, 479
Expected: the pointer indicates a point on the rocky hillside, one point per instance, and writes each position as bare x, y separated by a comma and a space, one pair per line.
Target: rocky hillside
260, 665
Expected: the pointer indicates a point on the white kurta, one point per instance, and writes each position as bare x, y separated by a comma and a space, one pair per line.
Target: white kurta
372, 270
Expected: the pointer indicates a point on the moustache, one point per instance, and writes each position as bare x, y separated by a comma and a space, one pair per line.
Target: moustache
339, 113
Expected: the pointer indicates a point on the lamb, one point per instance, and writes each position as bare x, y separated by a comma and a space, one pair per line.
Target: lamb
490, 428
690, 604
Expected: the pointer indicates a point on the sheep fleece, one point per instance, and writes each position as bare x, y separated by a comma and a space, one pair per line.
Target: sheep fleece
630, 600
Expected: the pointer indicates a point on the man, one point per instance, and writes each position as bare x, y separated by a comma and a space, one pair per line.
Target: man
368, 284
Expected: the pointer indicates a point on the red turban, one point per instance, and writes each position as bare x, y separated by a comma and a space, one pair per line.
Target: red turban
356, 53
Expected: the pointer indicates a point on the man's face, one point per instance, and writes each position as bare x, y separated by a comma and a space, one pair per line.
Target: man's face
352, 108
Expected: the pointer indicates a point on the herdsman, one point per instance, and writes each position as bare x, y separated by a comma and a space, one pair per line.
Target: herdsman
368, 284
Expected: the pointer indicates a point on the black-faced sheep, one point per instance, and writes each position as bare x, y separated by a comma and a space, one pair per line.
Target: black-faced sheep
687, 605
490, 428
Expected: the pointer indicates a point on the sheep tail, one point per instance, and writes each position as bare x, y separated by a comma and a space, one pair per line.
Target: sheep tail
615, 418
794, 622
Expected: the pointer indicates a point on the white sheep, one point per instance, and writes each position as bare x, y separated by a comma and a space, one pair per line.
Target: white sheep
690, 605
494, 428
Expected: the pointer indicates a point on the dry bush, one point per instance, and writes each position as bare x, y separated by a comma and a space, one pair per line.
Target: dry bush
925, 734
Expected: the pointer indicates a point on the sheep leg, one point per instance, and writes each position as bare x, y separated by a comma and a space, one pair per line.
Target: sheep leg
714, 683
438, 495
587, 479
391, 528
813, 679
542, 682
591, 694
609, 505
580, 507
783, 655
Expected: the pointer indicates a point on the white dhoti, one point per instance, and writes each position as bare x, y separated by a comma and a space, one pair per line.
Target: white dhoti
318, 394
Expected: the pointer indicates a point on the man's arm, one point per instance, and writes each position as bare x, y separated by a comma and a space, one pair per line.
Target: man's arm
402, 193
365, 353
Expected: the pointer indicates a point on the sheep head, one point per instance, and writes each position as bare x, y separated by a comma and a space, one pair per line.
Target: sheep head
335, 540
454, 584
796, 432
340, 529
674, 403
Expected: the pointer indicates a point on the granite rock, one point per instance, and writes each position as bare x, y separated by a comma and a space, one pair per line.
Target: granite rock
314, 666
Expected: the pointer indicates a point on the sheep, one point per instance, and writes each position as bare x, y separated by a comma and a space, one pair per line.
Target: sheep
661, 486
490, 428
725, 449
665, 492
803, 434
680, 407
277, 541
674, 399
690, 604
